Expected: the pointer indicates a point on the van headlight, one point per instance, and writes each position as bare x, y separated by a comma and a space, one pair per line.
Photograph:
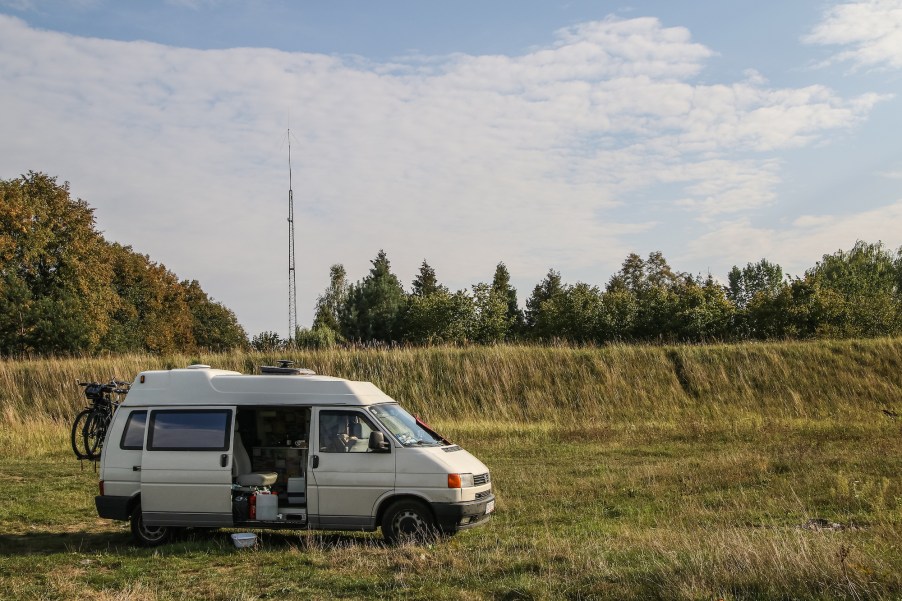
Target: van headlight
460, 481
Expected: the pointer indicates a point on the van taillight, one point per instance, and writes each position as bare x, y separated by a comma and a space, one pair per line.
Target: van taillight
101, 488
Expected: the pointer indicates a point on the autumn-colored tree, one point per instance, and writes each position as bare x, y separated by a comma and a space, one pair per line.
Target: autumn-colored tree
54, 295
64, 289
213, 325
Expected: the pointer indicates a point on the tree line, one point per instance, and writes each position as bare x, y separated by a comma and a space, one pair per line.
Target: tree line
64, 289
854, 293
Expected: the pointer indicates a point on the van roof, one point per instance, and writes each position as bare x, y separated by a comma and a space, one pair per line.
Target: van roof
207, 386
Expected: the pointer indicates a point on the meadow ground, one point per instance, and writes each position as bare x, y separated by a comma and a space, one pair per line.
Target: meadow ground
682, 473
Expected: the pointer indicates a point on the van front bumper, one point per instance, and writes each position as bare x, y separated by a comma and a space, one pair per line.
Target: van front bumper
112, 507
452, 517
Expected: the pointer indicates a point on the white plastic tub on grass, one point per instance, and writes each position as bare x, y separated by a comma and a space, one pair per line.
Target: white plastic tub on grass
244, 539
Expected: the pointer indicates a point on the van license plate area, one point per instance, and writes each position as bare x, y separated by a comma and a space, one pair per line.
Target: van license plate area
490, 506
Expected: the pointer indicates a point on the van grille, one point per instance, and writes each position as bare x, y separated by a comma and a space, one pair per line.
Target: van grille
480, 479
451, 449
484, 494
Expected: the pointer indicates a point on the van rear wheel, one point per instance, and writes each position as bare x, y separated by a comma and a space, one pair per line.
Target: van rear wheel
148, 536
408, 521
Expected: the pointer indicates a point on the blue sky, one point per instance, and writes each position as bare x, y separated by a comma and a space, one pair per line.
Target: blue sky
545, 134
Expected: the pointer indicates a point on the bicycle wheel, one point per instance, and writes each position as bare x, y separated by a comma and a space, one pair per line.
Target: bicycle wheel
94, 433
77, 435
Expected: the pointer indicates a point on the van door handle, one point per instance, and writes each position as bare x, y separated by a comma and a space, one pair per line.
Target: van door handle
136, 468
223, 460
315, 461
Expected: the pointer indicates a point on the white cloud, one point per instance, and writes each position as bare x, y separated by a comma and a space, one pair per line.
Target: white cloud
798, 246
870, 29
465, 160
728, 186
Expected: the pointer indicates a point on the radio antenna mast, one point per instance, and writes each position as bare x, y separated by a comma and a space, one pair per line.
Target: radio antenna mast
292, 281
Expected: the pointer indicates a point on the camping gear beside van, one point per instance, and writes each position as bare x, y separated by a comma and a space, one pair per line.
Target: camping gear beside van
202, 447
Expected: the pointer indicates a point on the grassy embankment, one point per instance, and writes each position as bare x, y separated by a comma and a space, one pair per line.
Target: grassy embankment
623, 472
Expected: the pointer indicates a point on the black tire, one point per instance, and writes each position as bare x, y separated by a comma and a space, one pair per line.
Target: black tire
94, 433
148, 536
408, 521
77, 434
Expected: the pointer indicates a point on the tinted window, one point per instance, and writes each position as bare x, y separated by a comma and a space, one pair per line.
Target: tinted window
133, 436
200, 430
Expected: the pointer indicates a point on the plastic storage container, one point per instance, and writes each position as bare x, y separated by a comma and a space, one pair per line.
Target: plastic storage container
267, 507
244, 539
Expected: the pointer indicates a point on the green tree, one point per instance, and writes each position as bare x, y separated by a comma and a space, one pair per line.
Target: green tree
374, 305
756, 291
647, 298
571, 314
491, 318
439, 317
855, 292
769, 317
267, 341
329, 304
544, 291
501, 287
320, 337
703, 312
764, 278
426, 282
618, 314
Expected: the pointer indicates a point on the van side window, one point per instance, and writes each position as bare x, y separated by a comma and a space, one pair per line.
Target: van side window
197, 430
344, 432
133, 435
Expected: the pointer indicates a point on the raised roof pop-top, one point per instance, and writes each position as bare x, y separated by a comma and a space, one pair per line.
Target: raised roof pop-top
201, 385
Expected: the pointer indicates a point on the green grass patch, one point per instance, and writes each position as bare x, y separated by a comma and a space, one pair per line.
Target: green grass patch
647, 510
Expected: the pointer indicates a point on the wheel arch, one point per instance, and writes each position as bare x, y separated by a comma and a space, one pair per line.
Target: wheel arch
387, 502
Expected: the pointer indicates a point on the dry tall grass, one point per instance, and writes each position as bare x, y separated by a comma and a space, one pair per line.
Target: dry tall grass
615, 383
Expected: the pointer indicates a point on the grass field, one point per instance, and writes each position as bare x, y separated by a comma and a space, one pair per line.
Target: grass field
624, 472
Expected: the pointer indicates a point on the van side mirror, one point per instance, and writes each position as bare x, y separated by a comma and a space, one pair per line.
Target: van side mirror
378, 444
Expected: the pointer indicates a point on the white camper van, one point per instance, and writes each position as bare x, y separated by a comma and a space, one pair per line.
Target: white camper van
202, 447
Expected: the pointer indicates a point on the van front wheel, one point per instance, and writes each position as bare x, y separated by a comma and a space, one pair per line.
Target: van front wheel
148, 536
408, 521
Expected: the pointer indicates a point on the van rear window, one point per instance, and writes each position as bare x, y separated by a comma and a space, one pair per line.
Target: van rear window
198, 430
133, 435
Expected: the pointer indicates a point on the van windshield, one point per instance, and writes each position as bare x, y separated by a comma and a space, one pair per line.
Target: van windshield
404, 427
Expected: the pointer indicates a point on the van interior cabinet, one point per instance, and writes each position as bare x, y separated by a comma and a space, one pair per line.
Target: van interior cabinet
288, 462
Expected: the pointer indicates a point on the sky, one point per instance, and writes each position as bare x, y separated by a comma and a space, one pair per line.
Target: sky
548, 134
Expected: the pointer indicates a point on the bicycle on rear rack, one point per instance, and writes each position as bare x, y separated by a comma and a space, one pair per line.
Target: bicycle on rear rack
90, 425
